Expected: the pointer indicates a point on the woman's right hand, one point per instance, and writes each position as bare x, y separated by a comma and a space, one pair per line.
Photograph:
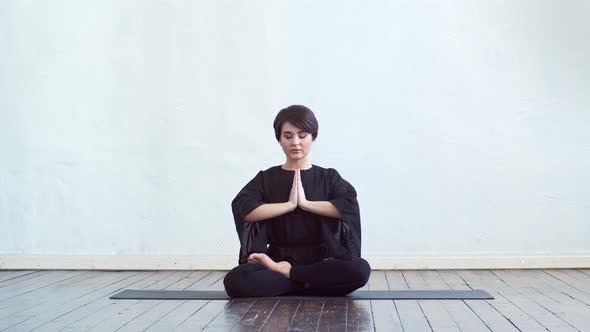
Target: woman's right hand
293, 196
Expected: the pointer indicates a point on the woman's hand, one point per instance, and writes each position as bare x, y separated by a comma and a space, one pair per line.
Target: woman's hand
293, 196
301, 199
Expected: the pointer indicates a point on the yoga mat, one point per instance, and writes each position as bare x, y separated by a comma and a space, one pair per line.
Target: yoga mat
356, 295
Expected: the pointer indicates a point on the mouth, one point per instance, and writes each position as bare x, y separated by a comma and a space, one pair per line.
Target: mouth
296, 150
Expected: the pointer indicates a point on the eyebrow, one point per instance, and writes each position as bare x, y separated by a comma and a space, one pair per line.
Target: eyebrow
288, 132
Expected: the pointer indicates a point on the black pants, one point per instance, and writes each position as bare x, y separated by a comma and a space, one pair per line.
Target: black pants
327, 277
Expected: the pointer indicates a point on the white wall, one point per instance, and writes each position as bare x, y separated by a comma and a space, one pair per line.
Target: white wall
126, 127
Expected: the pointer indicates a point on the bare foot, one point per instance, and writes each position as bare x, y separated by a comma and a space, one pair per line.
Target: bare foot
283, 267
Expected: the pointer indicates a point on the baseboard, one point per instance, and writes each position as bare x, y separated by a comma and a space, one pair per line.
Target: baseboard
480, 261
119, 262
226, 262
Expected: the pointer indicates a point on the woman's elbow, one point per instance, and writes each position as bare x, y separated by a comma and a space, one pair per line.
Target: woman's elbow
250, 217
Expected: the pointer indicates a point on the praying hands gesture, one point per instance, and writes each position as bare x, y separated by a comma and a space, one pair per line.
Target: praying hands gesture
297, 197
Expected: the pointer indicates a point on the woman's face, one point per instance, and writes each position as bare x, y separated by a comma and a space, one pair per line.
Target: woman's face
296, 143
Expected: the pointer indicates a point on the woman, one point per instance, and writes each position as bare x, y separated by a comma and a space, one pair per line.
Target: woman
298, 223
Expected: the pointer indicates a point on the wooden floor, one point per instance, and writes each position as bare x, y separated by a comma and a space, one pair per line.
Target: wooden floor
526, 300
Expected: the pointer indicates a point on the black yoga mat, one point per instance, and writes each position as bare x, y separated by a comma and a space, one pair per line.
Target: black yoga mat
356, 295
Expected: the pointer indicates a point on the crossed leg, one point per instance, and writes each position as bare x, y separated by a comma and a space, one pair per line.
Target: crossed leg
264, 277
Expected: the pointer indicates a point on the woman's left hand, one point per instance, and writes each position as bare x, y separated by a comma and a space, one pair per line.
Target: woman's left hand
301, 200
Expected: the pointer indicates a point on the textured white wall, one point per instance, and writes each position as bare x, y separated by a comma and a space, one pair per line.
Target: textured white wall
128, 126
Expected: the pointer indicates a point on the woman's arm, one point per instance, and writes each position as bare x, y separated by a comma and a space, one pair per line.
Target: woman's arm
323, 208
269, 210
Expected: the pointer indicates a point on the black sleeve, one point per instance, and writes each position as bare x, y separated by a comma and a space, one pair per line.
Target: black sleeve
343, 195
249, 198
252, 236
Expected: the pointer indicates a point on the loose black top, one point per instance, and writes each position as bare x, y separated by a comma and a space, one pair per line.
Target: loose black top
299, 236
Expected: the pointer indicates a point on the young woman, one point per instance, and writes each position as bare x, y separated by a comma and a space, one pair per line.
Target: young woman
298, 223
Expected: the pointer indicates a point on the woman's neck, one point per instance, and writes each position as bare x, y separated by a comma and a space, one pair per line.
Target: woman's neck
296, 164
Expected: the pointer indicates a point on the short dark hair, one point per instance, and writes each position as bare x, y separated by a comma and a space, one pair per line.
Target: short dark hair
300, 116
